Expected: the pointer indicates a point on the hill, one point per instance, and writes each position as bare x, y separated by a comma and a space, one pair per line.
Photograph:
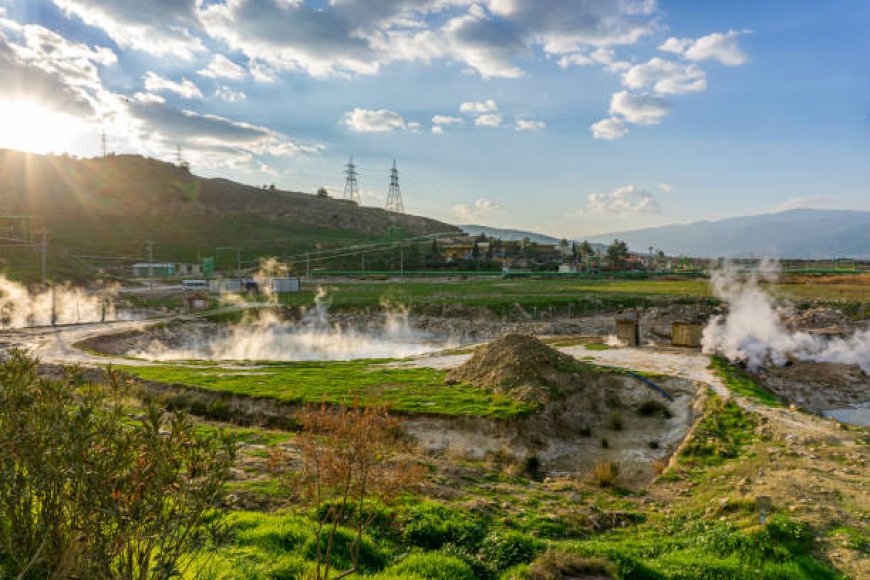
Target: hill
798, 233
109, 207
509, 235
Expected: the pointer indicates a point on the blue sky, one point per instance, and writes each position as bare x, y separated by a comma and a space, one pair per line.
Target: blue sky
569, 117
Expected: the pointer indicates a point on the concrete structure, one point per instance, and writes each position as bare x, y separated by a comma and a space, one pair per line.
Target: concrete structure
686, 334
569, 268
197, 301
224, 286
188, 269
153, 269
286, 285
628, 332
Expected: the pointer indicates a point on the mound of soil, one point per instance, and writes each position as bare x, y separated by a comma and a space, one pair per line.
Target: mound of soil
521, 367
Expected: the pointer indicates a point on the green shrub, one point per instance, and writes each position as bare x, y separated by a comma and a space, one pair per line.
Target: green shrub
561, 564
721, 435
503, 549
431, 525
652, 407
430, 566
88, 492
615, 422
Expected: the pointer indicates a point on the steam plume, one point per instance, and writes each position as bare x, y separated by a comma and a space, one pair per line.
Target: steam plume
19, 307
753, 331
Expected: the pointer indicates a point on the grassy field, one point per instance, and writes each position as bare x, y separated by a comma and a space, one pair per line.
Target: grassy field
405, 390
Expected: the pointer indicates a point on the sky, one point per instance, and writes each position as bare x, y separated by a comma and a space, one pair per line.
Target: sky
567, 117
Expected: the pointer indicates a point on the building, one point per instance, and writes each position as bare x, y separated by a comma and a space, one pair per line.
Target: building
286, 285
188, 269
153, 270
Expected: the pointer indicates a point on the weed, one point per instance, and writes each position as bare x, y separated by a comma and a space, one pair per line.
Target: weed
561, 564
604, 443
615, 421
585, 431
652, 407
741, 383
605, 473
653, 444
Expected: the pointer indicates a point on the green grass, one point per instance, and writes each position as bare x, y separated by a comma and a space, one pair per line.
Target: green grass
597, 346
741, 383
722, 434
406, 390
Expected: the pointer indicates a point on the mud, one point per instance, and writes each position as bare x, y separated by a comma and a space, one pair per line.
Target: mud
818, 387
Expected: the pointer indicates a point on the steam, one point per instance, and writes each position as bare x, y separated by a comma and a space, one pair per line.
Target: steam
314, 337
20, 308
754, 332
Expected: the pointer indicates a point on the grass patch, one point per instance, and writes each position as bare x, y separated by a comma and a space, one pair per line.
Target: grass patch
741, 383
597, 346
406, 390
722, 434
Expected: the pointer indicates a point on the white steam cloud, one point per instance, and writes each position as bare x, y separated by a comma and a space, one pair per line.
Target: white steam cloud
20, 307
754, 332
314, 337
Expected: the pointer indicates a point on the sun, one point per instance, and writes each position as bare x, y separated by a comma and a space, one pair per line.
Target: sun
32, 127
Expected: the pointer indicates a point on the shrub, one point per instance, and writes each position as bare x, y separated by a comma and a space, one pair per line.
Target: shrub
430, 566
431, 525
554, 564
651, 407
615, 422
605, 473
502, 550
88, 492
585, 431
532, 467
604, 443
653, 444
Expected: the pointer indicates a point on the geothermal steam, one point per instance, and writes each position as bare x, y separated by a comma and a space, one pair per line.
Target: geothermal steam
19, 307
753, 331
313, 338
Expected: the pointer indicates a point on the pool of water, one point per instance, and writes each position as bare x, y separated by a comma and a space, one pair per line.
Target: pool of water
856, 414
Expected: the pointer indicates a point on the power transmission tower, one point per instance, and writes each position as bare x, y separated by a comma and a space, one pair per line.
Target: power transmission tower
351, 185
394, 195
103, 139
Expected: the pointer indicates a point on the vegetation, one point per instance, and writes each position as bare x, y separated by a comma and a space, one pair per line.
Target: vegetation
406, 390
723, 433
348, 472
741, 383
87, 491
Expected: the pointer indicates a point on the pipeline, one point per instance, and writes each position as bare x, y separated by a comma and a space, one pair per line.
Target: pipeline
655, 387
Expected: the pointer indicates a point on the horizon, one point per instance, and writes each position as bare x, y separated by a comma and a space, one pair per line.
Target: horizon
627, 116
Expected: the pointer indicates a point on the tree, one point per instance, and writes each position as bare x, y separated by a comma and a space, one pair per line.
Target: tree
586, 249
617, 252
86, 491
349, 468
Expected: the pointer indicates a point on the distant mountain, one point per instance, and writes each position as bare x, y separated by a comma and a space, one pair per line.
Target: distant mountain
798, 233
517, 235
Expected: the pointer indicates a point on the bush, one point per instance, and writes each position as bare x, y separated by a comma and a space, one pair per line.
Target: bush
88, 492
605, 473
615, 422
501, 550
651, 407
555, 564
431, 525
430, 566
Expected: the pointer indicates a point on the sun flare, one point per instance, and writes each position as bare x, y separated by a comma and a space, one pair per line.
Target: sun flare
29, 126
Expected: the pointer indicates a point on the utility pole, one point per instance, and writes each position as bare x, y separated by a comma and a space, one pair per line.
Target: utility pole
149, 246
402, 264
43, 250
103, 139
351, 184
363, 271
308, 266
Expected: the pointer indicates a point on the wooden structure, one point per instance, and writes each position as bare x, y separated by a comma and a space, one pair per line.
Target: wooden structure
197, 301
686, 334
628, 332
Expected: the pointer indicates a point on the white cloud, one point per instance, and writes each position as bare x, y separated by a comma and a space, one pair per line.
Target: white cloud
414, 126
227, 94
185, 89
529, 125
486, 45
609, 128
446, 120
160, 27
437, 130
622, 200
642, 109
487, 106
666, 77
488, 120
221, 67
719, 46
374, 121
478, 210
666, 187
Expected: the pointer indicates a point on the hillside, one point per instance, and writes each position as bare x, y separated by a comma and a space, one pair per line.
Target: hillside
509, 235
799, 233
111, 206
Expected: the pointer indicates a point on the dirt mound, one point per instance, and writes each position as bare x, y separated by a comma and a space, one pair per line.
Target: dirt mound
521, 367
